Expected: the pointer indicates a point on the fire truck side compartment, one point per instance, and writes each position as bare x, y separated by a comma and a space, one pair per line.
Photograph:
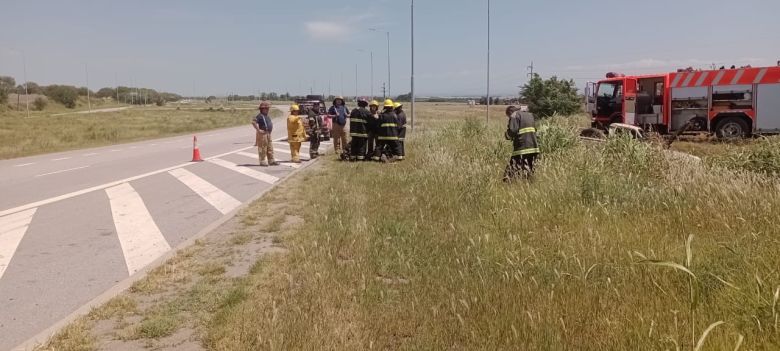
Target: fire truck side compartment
688, 103
768, 107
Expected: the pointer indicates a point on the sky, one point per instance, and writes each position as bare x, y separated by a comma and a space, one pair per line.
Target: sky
299, 46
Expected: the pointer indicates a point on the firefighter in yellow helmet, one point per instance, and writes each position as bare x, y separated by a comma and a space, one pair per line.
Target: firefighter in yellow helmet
521, 130
388, 144
296, 133
372, 127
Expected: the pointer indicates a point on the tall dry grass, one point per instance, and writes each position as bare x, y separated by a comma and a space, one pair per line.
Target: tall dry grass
609, 247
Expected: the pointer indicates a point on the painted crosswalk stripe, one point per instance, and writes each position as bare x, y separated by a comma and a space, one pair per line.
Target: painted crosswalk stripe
221, 200
140, 238
263, 177
254, 156
12, 229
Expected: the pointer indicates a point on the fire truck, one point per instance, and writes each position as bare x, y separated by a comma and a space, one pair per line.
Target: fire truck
731, 103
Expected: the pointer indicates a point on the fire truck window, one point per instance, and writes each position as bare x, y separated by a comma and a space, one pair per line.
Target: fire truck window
659, 88
606, 90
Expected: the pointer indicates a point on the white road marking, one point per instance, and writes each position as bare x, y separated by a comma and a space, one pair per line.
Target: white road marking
140, 238
115, 150
102, 186
62, 158
12, 229
221, 200
90, 154
62, 171
263, 177
24, 164
133, 147
254, 156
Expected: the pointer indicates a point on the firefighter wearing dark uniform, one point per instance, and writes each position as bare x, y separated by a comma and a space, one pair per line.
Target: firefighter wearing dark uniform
522, 132
399, 111
315, 129
358, 130
387, 134
372, 126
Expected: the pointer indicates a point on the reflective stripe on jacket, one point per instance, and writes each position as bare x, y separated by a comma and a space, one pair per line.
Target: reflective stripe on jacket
388, 126
358, 122
522, 132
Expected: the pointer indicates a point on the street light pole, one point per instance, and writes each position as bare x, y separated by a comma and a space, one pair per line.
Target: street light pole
372, 74
26, 84
387, 33
86, 72
356, 82
412, 77
487, 111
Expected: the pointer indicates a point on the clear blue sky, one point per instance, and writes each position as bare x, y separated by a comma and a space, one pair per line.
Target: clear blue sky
216, 47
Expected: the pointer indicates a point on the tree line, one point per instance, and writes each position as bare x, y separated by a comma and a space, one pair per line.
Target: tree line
69, 95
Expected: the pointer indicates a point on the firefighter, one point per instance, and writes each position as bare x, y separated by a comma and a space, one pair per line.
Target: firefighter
387, 135
521, 131
339, 115
399, 111
372, 126
263, 128
315, 130
296, 133
358, 121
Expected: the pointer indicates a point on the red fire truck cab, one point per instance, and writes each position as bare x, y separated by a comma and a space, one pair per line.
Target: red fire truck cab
731, 103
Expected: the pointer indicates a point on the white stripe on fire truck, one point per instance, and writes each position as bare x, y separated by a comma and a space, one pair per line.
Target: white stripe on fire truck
676, 80
718, 77
760, 75
688, 79
737, 76
701, 79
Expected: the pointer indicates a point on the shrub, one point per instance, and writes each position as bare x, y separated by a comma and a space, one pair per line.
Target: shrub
40, 103
546, 98
66, 95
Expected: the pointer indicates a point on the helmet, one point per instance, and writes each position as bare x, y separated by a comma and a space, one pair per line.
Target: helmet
397, 105
295, 108
338, 98
263, 105
374, 103
388, 103
363, 99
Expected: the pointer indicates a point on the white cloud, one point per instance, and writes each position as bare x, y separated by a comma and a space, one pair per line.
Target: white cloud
325, 30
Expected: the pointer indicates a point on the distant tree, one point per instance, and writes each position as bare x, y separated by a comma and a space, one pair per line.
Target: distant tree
64, 94
83, 91
7, 85
40, 103
552, 96
30, 88
106, 93
404, 97
210, 99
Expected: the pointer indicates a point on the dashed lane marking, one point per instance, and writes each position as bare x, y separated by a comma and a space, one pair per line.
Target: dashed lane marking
140, 238
221, 200
61, 171
61, 159
90, 154
12, 230
25, 164
263, 177
102, 186
254, 156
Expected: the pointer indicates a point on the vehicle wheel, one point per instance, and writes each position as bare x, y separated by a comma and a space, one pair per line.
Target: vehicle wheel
732, 128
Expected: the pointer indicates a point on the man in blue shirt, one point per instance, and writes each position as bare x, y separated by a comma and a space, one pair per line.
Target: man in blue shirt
339, 114
264, 126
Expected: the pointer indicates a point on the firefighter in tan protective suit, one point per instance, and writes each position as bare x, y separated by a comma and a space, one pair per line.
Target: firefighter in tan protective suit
296, 133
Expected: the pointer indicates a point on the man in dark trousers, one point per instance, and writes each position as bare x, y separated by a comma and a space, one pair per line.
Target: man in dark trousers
358, 130
399, 111
315, 129
387, 135
522, 132
373, 127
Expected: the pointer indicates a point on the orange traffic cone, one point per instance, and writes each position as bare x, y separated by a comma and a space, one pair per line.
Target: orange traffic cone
195, 150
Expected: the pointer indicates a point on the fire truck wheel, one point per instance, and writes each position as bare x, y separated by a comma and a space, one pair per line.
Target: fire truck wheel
731, 128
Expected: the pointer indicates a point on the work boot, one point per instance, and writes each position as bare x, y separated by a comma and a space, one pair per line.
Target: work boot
263, 163
273, 163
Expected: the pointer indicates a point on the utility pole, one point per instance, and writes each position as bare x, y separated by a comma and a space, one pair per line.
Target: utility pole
530, 69
487, 111
384, 91
412, 77
387, 33
86, 71
116, 83
356, 82
372, 74
26, 84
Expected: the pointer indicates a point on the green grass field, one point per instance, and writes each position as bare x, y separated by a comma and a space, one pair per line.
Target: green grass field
610, 247
50, 131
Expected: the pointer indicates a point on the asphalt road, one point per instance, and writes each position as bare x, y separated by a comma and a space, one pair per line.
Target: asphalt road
74, 224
